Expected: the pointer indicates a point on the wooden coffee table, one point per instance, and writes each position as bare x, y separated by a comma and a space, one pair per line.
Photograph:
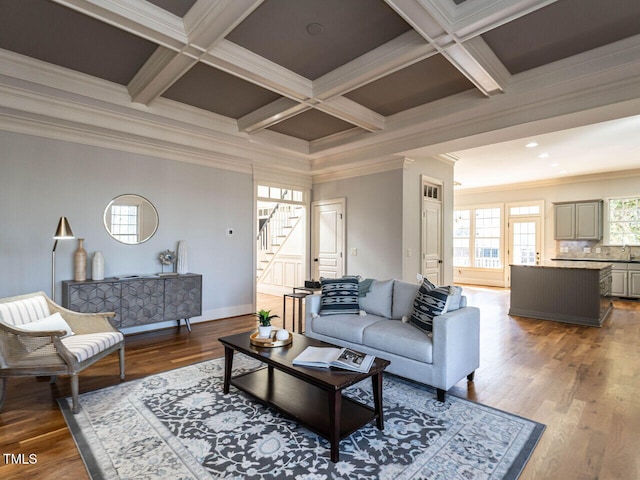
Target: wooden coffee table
309, 395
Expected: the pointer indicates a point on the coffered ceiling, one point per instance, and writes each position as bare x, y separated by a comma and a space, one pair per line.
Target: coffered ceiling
310, 86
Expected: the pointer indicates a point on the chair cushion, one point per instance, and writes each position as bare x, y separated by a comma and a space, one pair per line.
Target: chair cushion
378, 299
399, 338
89, 345
19, 312
339, 296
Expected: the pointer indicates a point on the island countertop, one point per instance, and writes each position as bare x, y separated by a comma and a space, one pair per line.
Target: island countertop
569, 264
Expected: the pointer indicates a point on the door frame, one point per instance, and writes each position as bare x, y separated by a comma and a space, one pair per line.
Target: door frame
312, 233
424, 181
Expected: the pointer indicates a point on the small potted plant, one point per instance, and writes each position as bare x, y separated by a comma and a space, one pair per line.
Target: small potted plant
264, 318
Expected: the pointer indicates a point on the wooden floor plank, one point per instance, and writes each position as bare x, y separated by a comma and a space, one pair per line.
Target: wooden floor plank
582, 382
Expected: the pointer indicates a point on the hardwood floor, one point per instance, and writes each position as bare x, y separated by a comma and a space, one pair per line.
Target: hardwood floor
582, 382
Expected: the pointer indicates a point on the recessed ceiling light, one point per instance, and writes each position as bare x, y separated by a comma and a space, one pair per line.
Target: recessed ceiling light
531, 144
543, 155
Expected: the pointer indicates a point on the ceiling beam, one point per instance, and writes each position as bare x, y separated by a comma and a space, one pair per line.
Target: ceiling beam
487, 77
352, 112
270, 114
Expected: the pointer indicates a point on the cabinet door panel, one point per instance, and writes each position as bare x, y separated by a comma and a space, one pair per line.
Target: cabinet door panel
142, 302
183, 297
619, 283
94, 298
634, 284
564, 221
588, 221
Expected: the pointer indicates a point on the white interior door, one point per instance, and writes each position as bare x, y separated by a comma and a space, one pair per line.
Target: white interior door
328, 239
432, 241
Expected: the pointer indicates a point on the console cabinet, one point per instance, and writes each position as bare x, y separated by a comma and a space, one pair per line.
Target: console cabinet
137, 300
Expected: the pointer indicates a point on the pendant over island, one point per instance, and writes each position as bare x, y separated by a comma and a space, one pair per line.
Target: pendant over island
562, 291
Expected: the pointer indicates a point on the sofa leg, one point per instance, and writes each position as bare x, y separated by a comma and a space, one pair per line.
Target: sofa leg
440, 394
471, 376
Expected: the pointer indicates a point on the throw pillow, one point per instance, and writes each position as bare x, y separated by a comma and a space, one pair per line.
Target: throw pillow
455, 298
47, 324
339, 296
428, 304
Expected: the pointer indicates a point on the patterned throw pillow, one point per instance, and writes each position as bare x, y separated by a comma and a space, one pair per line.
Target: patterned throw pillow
339, 296
429, 302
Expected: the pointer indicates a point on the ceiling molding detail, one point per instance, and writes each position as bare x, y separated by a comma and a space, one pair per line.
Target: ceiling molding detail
54, 101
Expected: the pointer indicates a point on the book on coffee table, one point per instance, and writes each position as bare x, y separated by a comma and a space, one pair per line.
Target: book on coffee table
327, 357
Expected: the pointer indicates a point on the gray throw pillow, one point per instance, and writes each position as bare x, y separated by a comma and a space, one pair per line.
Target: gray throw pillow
429, 302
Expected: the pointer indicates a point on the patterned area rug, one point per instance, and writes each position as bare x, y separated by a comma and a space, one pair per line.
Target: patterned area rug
179, 425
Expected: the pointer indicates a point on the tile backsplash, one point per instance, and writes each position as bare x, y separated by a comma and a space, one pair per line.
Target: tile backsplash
576, 249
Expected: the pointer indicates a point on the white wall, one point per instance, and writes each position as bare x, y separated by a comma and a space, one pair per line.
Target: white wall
412, 212
42, 179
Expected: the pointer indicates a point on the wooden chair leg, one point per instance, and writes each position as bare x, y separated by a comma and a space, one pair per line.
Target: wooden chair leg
121, 353
75, 408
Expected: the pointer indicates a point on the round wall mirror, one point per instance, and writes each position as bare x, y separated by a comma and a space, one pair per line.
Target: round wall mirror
131, 219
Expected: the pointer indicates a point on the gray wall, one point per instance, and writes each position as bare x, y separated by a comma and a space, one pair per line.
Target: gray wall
384, 219
43, 179
374, 222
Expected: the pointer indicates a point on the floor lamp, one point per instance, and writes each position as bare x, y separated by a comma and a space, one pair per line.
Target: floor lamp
63, 232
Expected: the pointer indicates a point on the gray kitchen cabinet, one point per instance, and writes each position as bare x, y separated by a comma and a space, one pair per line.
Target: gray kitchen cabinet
578, 220
634, 280
619, 280
137, 300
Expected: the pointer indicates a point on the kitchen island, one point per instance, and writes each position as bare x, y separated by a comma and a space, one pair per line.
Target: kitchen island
562, 291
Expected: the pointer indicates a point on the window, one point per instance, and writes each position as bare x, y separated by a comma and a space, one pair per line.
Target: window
624, 221
276, 193
124, 223
477, 238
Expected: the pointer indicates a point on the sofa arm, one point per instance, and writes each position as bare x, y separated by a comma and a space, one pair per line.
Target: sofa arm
456, 345
311, 309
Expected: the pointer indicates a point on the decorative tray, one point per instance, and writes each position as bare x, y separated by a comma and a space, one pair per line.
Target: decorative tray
269, 342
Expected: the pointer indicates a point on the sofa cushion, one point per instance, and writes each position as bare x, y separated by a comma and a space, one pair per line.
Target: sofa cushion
378, 299
400, 339
455, 299
428, 304
403, 295
349, 328
339, 296
19, 312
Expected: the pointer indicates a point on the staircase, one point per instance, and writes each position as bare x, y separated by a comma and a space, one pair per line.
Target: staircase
273, 234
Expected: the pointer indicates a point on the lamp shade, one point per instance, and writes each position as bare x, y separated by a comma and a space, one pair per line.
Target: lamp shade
63, 230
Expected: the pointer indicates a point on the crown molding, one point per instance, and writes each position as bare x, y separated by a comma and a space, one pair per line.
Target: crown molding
379, 165
594, 177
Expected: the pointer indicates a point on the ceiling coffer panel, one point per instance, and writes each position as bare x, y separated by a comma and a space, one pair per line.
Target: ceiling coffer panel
561, 30
177, 7
219, 92
311, 125
312, 38
423, 82
50, 32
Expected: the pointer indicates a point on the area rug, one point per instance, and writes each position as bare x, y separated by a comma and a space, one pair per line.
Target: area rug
179, 425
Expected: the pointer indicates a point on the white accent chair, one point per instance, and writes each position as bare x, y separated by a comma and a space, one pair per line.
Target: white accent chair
34, 341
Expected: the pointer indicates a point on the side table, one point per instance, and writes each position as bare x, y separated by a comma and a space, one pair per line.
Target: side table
295, 297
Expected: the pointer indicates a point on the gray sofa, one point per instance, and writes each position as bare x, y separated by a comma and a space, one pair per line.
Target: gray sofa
441, 359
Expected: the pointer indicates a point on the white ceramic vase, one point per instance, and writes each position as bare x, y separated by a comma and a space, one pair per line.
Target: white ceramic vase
97, 266
182, 267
